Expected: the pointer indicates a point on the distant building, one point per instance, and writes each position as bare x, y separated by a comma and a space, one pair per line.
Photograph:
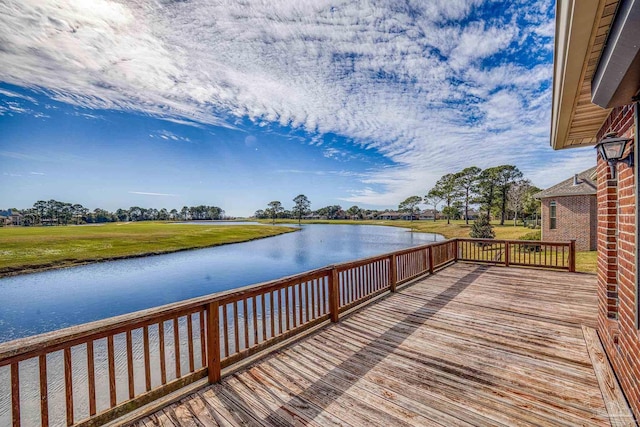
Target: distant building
389, 215
429, 214
570, 210
472, 215
10, 217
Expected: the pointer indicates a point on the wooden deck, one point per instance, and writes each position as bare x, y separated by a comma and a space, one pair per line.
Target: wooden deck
469, 345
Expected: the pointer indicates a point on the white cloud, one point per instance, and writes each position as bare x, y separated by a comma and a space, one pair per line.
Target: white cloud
168, 136
412, 80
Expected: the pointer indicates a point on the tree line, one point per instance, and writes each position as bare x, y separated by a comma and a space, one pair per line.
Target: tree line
302, 208
54, 212
500, 191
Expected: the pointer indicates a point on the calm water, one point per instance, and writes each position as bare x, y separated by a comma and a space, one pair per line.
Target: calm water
41, 302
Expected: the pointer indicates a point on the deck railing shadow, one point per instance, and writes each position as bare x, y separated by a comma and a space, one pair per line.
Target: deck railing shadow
390, 340
93, 373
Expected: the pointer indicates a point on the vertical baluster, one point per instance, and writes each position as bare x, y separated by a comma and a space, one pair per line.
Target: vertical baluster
225, 329
68, 385
190, 342
91, 378
236, 327
176, 344
353, 285
132, 391
308, 285
44, 393
424, 261
272, 315
343, 278
286, 304
314, 286
364, 279
245, 307
296, 303
203, 347
161, 352
15, 394
264, 317
321, 297
147, 359
112, 371
254, 306
356, 283
279, 298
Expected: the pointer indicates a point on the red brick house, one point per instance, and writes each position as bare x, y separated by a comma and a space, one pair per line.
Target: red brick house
569, 211
595, 93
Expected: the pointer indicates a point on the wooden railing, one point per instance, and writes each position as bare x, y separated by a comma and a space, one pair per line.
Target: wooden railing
90, 374
553, 255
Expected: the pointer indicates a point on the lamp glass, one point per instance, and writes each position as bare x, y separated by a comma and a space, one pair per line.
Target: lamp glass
613, 150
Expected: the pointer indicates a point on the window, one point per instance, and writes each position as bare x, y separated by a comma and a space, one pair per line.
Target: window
552, 215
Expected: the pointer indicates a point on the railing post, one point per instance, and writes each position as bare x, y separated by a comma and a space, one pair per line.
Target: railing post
455, 250
392, 273
430, 257
572, 256
507, 251
334, 295
213, 342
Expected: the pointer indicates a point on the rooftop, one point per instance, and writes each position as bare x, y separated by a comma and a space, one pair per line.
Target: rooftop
468, 345
585, 185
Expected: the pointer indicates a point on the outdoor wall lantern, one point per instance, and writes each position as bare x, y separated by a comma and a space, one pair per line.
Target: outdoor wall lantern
611, 149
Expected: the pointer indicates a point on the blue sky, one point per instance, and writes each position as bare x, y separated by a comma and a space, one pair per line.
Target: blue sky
116, 104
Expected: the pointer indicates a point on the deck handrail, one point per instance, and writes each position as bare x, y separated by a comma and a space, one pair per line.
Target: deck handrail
197, 338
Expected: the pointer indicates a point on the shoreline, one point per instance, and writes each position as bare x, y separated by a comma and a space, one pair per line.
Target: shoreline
39, 268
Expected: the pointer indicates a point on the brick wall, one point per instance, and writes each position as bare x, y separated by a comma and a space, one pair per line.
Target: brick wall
575, 220
616, 263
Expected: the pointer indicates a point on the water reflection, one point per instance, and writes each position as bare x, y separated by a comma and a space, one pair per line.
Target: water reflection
52, 300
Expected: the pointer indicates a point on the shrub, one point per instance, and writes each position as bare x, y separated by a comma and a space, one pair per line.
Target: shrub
482, 228
534, 235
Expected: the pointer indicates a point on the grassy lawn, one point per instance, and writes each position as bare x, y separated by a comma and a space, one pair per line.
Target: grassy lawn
25, 249
585, 261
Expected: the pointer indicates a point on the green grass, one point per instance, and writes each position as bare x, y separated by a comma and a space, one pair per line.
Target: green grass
24, 249
585, 261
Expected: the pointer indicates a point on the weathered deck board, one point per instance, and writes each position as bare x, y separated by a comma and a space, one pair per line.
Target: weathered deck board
469, 346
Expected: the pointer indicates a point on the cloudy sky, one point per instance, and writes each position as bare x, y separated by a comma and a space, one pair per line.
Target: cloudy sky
236, 103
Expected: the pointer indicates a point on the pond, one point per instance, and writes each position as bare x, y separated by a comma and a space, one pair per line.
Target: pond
41, 302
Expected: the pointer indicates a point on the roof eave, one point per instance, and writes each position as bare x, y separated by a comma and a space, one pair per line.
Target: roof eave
575, 121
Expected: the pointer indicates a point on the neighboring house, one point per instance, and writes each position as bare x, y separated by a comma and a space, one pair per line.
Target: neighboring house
389, 215
9, 217
595, 93
429, 214
473, 214
569, 211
